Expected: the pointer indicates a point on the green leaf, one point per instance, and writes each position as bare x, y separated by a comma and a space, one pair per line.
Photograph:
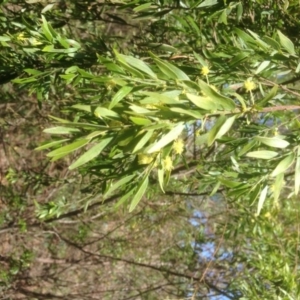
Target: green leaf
139, 194
269, 96
223, 17
128, 67
244, 36
271, 42
286, 43
123, 92
24, 80
140, 121
221, 101
200, 59
47, 7
297, 172
262, 66
142, 142
67, 76
156, 98
137, 64
229, 183
46, 29
263, 154
142, 7
90, 154
118, 184
124, 198
249, 145
168, 69
168, 138
139, 110
222, 125
284, 165
104, 112
203, 102
83, 107
51, 144
239, 13
160, 176
61, 130
238, 58
259, 41
4, 38
68, 149
272, 142
33, 72
205, 3
277, 186
225, 127
261, 200
193, 113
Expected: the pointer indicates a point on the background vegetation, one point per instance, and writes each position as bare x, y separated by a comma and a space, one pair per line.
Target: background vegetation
169, 162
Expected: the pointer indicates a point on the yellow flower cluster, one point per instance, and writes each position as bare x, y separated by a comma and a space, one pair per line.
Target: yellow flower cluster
178, 146
249, 85
21, 37
144, 159
205, 70
33, 41
167, 163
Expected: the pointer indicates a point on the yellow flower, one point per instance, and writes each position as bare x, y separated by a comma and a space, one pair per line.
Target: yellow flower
178, 146
249, 85
34, 42
167, 163
267, 215
144, 159
205, 70
21, 37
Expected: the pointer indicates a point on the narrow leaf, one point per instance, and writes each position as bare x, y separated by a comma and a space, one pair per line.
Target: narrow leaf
46, 30
297, 172
124, 198
272, 142
263, 154
142, 142
140, 121
61, 130
222, 126
284, 165
169, 69
212, 134
160, 176
104, 112
137, 64
118, 184
286, 43
203, 102
277, 186
139, 194
268, 97
262, 66
123, 92
168, 138
90, 154
51, 144
221, 101
225, 127
193, 113
262, 199
69, 148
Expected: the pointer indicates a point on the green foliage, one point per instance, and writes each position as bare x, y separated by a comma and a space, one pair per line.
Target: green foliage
221, 78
